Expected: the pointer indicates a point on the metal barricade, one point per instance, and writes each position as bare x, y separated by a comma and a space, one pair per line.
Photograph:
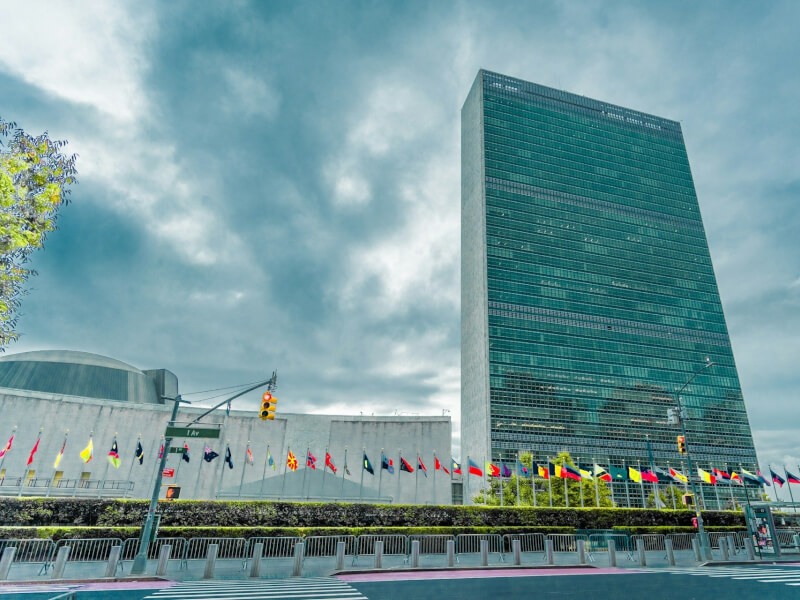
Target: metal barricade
785, 537
431, 544
528, 542
681, 541
392, 544
325, 545
276, 547
652, 542
178, 551
566, 542
89, 549
197, 548
31, 551
715, 536
598, 542
470, 543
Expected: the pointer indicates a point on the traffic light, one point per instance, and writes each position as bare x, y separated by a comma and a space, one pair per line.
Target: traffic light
682, 444
268, 405
173, 492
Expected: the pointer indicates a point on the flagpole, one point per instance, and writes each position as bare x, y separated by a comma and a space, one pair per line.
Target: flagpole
151, 482
222, 474
399, 471
55, 467
463, 479
380, 476
344, 472
549, 482
566, 491
3, 459
244, 464
788, 485
285, 466
627, 488
730, 487
324, 474
671, 485
416, 479
485, 491
363, 461
533, 479
716, 493
596, 485
130, 470
641, 484
263, 474
501, 481
27, 466
517, 475
580, 481
77, 483
434, 477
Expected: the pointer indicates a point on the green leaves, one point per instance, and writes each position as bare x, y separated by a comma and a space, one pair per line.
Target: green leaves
34, 184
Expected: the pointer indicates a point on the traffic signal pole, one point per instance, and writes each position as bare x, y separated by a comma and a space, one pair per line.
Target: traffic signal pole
140, 562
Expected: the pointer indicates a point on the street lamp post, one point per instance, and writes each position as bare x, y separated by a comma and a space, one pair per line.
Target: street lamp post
681, 420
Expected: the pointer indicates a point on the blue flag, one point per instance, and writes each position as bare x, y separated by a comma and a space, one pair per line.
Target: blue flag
367, 466
523, 470
386, 463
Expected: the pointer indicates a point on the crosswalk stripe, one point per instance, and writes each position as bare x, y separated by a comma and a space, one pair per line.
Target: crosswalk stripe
317, 588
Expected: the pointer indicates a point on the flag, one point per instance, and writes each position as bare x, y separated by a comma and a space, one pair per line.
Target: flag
789, 477
601, 473
329, 462
270, 462
763, 479
346, 468
367, 466
585, 472
405, 465
721, 475
228, 457
8, 446
618, 474
88, 452
662, 475
311, 460
569, 472
504, 470
437, 465
553, 470
113, 455
454, 466
678, 476
421, 466
139, 452
249, 455
386, 463
161, 451
706, 476
209, 454
492, 470
544, 472
750, 477
291, 461
634, 475
522, 470
472, 468
735, 476
648, 475
185, 456
60, 454
776, 478
35, 448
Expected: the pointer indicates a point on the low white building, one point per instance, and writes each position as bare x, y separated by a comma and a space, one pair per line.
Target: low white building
65, 398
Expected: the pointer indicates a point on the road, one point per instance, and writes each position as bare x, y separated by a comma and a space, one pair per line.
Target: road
696, 583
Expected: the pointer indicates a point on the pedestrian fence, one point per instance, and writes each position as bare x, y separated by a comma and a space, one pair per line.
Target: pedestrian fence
470, 543
178, 549
325, 545
197, 548
681, 541
786, 537
30, 551
566, 542
392, 544
528, 542
652, 542
274, 547
89, 549
431, 544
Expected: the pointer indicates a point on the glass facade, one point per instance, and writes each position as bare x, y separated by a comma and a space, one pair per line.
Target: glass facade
596, 290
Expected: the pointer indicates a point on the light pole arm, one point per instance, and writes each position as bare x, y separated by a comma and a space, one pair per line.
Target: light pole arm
268, 382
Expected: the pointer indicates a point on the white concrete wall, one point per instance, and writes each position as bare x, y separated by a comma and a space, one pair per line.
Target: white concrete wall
31, 410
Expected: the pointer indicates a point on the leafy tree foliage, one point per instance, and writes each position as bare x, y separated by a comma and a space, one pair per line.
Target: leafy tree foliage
667, 496
34, 183
561, 489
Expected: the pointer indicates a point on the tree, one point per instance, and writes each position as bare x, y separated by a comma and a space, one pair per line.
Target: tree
34, 183
667, 495
544, 487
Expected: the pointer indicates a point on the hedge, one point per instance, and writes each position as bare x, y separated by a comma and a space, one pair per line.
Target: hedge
196, 513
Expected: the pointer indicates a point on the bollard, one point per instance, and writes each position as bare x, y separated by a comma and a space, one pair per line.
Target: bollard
211, 561
670, 552
516, 551
723, 548
696, 548
612, 553
751, 551
548, 552
378, 555
732, 546
340, 548
163, 560
299, 554
484, 553
5, 562
582, 552
113, 561
61, 563
415, 554
451, 553
796, 540
255, 566
642, 554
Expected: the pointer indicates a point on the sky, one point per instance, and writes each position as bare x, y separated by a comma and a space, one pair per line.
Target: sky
276, 186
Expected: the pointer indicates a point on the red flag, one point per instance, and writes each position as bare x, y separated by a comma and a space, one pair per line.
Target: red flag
35, 448
161, 451
329, 462
421, 466
7, 447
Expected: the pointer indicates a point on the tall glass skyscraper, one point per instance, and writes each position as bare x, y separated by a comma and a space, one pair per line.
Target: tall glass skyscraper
588, 294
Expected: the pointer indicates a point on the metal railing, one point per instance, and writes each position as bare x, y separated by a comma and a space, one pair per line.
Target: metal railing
84, 484
274, 547
197, 548
528, 542
470, 543
89, 549
566, 542
786, 537
681, 541
431, 544
319, 545
392, 544
178, 549
30, 550
652, 542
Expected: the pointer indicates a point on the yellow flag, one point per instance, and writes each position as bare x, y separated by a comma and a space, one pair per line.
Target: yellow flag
634, 475
86, 453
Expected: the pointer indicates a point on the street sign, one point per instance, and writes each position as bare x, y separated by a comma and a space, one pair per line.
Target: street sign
178, 450
168, 472
191, 432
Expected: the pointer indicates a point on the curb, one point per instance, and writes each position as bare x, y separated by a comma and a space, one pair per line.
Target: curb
80, 581
464, 568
